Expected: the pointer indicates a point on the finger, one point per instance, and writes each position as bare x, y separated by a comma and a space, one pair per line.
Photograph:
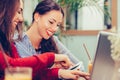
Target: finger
83, 73
58, 66
86, 76
65, 67
78, 69
75, 77
63, 64
76, 72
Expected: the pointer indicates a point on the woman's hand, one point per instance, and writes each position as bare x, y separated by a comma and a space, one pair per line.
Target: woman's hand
57, 65
63, 60
73, 74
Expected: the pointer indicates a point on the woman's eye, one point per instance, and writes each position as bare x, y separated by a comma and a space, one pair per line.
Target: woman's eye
19, 12
50, 22
58, 25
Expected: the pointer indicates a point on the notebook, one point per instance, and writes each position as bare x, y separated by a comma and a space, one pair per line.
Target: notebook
103, 64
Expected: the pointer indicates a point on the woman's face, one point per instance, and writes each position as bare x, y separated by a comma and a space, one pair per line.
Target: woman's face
18, 17
49, 23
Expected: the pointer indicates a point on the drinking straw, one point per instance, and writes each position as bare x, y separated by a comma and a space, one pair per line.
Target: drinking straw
87, 52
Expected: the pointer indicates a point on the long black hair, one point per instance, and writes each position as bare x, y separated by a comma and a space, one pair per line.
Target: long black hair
42, 8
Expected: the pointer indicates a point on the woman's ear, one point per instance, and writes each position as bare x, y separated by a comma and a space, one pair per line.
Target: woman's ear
36, 17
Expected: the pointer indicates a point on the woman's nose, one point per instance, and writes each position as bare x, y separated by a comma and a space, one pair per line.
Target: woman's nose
21, 19
55, 28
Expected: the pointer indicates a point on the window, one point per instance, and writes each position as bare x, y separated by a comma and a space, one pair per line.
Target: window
90, 20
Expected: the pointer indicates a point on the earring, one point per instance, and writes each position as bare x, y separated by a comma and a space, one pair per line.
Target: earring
36, 20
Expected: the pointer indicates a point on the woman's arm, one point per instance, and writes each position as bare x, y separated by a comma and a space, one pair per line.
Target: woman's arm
35, 61
63, 50
55, 73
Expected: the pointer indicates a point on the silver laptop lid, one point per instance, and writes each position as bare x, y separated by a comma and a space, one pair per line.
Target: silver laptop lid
103, 64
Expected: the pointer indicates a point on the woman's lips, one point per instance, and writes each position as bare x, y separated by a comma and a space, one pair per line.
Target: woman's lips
15, 23
49, 33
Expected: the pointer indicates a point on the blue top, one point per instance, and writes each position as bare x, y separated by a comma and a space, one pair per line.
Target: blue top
25, 48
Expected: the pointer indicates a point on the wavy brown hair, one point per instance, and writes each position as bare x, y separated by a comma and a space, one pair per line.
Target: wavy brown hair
8, 9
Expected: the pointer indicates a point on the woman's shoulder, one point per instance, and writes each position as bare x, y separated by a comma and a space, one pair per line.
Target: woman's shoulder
16, 35
55, 38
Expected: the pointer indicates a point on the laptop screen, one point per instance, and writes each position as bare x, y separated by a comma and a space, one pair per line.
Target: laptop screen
103, 64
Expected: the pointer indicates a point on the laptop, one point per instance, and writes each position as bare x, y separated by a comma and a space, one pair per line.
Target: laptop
103, 64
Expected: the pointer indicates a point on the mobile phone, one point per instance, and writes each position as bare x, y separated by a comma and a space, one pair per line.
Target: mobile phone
76, 66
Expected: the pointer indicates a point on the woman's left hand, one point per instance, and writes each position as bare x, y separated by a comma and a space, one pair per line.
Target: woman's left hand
63, 60
73, 74
58, 65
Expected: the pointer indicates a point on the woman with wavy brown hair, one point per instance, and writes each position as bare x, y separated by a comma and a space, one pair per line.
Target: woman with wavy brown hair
39, 38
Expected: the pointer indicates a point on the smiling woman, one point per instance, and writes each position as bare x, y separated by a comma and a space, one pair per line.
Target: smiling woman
50, 22
19, 14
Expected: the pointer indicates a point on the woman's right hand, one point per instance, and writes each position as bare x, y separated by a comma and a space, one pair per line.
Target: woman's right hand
73, 74
63, 60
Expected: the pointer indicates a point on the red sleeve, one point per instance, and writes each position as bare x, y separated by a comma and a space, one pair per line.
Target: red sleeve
45, 59
47, 74
36, 62
51, 73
